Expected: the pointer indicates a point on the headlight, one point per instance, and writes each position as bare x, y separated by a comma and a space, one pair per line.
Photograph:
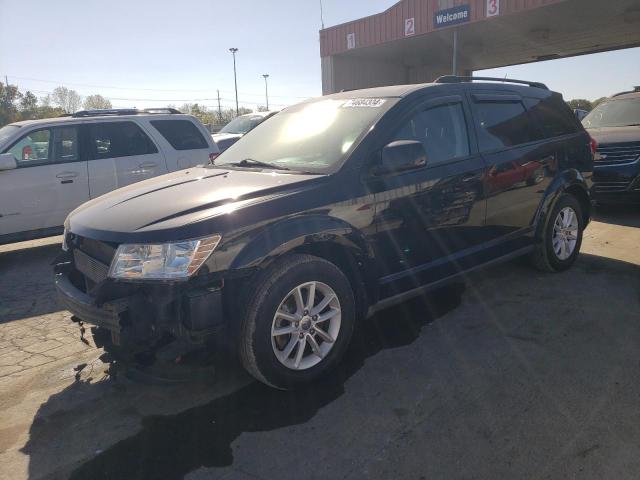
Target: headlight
65, 247
162, 261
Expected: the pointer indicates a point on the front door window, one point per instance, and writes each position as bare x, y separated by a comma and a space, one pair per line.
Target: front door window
32, 149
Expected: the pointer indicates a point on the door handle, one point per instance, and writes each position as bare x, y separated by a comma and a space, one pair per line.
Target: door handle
147, 165
469, 177
67, 175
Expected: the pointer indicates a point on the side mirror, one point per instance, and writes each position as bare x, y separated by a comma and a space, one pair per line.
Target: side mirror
399, 156
8, 161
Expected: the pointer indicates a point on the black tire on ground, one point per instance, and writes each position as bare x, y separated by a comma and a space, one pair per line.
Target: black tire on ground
544, 257
264, 295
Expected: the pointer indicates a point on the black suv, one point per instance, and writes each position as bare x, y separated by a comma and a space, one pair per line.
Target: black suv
333, 209
615, 126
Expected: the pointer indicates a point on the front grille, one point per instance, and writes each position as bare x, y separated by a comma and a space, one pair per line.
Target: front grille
611, 186
617, 153
91, 268
102, 251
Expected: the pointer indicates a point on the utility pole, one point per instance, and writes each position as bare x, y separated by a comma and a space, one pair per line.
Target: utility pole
6, 81
219, 108
235, 78
266, 90
455, 52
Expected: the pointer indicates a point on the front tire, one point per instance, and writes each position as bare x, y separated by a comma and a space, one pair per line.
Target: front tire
561, 237
298, 321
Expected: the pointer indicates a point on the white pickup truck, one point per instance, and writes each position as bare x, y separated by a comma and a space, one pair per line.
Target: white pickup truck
49, 167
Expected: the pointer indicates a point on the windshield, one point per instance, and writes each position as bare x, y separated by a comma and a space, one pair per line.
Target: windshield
614, 113
6, 132
242, 124
312, 137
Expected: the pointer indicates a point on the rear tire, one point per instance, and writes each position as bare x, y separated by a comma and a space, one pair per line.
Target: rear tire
315, 336
561, 236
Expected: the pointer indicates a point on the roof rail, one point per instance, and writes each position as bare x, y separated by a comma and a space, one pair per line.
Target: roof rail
635, 90
162, 110
121, 111
460, 79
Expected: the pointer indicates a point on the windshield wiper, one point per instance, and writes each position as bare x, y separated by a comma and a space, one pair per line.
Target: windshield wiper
250, 162
632, 125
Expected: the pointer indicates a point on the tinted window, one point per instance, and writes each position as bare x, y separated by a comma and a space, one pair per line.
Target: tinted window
32, 149
181, 134
7, 131
118, 139
242, 124
502, 124
442, 130
614, 113
553, 115
65, 144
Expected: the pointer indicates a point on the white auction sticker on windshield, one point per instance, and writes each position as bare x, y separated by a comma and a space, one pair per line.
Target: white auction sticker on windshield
363, 102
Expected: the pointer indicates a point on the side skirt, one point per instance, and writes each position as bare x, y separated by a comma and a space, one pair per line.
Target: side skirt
404, 296
30, 235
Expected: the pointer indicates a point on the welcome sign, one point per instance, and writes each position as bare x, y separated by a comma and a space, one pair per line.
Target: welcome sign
452, 16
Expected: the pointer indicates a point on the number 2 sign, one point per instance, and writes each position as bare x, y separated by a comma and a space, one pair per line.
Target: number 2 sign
493, 8
409, 26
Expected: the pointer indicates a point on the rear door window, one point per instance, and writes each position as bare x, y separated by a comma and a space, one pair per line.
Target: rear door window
66, 144
181, 134
441, 129
553, 115
501, 123
118, 139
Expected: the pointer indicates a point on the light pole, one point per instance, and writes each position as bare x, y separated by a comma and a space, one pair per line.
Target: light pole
266, 90
235, 79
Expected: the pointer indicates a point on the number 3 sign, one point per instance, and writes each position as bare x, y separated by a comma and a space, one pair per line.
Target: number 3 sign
493, 8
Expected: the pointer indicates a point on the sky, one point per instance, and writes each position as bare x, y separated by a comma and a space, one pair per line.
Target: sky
142, 53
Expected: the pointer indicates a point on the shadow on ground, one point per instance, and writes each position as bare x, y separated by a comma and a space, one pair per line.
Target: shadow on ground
624, 215
170, 446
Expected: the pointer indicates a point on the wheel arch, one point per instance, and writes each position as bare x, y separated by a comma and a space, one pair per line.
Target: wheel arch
571, 182
325, 237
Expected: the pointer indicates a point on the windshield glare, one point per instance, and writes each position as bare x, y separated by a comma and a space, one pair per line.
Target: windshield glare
312, 136
614, 113
6, 132
242, 124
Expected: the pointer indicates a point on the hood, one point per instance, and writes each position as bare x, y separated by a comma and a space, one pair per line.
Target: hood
606, 135
225, 140
225, 136
160, 208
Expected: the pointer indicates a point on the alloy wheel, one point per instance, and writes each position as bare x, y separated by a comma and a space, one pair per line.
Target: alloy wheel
565, 233
306, 325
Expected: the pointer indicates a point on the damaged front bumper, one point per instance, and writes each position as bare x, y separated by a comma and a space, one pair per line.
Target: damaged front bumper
142, 316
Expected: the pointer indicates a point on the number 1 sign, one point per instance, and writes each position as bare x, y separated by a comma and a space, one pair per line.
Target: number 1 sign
493, 8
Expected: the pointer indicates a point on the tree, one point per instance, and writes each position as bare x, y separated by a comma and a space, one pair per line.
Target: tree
29, 102
229, 114
9, 98
67, 100
211, 116
96, 102
598, 101
580, 104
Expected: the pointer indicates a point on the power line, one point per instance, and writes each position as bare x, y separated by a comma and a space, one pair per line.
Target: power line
185, 100
87, 85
